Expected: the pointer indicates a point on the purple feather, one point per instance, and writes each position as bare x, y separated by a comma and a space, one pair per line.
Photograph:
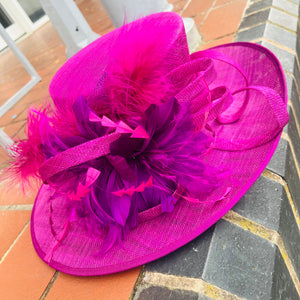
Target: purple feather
171, 156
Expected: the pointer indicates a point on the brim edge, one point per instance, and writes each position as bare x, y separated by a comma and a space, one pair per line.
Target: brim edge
172, 247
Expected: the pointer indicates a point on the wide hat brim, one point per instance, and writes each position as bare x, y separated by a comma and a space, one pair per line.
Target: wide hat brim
78, 253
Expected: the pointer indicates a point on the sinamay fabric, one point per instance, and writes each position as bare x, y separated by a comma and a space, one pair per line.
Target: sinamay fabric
147, 146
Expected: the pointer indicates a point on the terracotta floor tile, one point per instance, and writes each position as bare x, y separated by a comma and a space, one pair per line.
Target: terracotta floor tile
13, 113
23, 275
38, 94
21, 135
3, 156
12, 129
21, 107
221, 2
95, 15
22, 116
12, 194
178, 5
11, 224
196, 7
199, 19
224, 40
110, 287
223, 20
13, 76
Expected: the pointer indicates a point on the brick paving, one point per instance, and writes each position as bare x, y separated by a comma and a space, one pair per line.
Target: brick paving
24, 276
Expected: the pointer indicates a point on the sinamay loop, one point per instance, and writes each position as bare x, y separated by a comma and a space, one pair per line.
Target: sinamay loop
147, 146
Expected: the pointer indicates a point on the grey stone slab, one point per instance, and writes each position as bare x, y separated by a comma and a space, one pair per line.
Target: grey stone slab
283, 287
262, 203
285, 128
252, 33
255, 19
298, 44
283, 19
256, 6
281, 36
289, 110
293, 116
297, 73
294, 97
292, 178
294, 136
292, 88
286, 59
288, 6
240, 262
158, 292
277, 163
187, 261
201, 297
290, 234
289, 83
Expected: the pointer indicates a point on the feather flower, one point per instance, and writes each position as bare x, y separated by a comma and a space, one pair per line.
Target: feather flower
157, 155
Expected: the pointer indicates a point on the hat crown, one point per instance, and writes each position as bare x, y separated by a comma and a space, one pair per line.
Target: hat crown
134, 62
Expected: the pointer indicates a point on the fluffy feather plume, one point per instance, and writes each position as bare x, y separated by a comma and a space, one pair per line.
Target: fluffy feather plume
63, 117
135, 77
27, 155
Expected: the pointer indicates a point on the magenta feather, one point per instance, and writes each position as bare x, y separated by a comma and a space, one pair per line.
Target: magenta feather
135, 77
27, 155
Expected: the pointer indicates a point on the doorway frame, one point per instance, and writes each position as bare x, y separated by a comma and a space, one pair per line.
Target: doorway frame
21, 19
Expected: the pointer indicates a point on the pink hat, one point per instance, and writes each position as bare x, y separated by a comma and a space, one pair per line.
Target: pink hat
147, 146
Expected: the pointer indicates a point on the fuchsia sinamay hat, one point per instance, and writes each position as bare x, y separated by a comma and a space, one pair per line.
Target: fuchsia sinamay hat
147, 146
